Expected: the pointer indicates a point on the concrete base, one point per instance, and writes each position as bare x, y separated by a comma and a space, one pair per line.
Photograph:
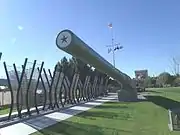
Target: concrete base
127, 96
174, 120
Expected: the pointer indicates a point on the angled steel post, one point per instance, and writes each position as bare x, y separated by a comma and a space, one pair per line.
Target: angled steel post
28, 87
36, 87
11, 91
45, 90
51, 88
19, 87
55, 93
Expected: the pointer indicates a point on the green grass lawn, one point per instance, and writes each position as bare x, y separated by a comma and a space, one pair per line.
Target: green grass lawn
4, 110
140, 118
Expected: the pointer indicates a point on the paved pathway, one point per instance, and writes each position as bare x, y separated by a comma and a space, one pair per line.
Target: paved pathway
32, 125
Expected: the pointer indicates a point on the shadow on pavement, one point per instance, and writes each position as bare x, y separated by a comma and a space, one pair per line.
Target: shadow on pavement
40, 122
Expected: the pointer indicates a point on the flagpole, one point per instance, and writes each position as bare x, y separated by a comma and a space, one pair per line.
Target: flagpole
113, 47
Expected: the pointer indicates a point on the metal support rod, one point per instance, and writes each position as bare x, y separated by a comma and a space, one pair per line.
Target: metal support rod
11, 91
19, 87
45, 90
75, 89
73, 86
45, 74
51, 88
61, 93
50, 73
66, 85
55, 91
80, 86
36, 87
60, 83
28, 88
17, 77
16, 72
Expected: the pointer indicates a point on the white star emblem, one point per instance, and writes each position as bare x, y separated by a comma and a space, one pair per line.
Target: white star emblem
63, 39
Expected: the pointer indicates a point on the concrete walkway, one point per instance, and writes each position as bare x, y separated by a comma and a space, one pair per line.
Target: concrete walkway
32, 125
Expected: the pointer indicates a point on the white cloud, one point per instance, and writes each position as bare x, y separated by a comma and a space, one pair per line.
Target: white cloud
20, 27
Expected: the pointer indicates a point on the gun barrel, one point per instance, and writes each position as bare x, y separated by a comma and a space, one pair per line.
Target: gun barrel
70, 43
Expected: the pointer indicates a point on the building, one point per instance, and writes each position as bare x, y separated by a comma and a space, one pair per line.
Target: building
141, 74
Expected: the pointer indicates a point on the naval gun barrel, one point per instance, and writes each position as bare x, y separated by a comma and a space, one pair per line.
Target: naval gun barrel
72, 44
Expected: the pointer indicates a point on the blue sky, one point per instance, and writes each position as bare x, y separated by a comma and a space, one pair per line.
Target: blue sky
148, 30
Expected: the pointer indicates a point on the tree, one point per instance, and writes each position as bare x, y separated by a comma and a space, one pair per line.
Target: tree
148, 82
175, 66
66, 67
153, 81
72, 68
64, 63
58, 67
164, 79
176, 81
75, 65
83, 68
